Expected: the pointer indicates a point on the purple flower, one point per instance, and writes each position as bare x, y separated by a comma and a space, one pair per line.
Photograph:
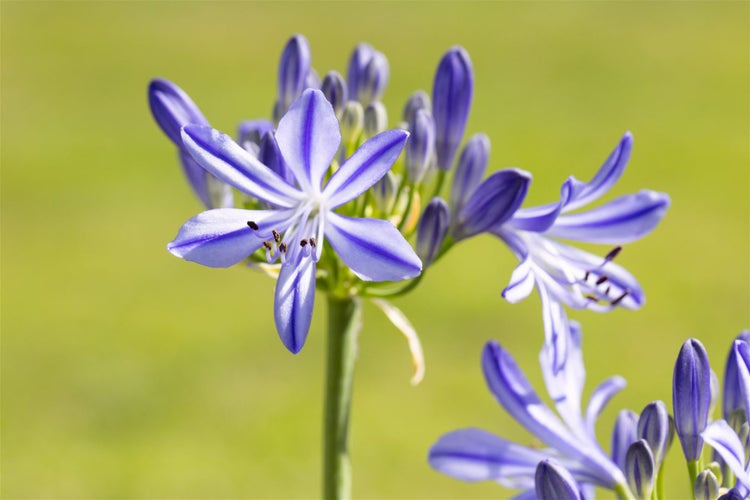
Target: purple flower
691, 397
302, 216
475, 455
570, 275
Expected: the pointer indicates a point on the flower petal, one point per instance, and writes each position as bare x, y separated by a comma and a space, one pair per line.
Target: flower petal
309, 136
372, 248
225, 159
293, 306
599, 399
365, 167
723, 439
222, 237
196, 176
622, 220
478, 455
403, 324
624, 433
541, 218
494, 201
521, 282
172, 108
607, 175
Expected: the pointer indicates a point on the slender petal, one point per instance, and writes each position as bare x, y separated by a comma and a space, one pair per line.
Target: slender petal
624, 433
554, 482
540, 219
432, 229
722, 438
471, 166
622, 220
221, 156
222, 237
309, 136
403, 324
599, 399
269, 155
293, 306
196, 176
606, 177
372, 248
691, 396
364, 168
172, 108
521, 282
493, 202
478, 455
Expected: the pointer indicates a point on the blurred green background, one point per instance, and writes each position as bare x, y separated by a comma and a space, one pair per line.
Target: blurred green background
129, 373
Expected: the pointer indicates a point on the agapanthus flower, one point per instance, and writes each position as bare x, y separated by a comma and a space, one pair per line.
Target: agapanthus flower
476, 455
570, 275
301, 217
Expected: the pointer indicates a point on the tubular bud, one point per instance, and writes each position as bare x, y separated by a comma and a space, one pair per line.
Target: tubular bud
294, 67
420, 148
418, 100
431, 230
334, 88
469, 171
639, 469
376, 119
691, 396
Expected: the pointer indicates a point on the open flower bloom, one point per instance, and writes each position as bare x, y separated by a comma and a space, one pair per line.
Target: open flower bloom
477, 455
569, 275
301, 217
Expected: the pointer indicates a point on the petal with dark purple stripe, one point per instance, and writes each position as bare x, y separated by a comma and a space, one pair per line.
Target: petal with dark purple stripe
172, 108
293, 305
374, 249
723, 439
364, 168
225, 159
309, 136
691, 396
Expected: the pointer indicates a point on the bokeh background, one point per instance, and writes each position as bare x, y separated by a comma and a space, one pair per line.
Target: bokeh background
128, 373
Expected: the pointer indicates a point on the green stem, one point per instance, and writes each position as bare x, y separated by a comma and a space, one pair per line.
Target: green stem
693, 469
623, 492
344, 323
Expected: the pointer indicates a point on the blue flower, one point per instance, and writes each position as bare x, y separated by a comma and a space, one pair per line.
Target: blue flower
301, 219
569, 275
476, 455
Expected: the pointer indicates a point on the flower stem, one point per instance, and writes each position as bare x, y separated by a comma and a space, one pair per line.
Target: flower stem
344, 323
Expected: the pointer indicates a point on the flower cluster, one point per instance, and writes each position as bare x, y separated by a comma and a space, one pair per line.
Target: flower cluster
326, 172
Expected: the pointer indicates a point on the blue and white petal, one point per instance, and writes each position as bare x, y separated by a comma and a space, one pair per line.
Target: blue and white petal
172, 108
727, 444
295, 298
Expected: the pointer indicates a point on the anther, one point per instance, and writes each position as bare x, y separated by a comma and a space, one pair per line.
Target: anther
606, 292
592, 298
601, 280
282, 247
303, 242
586, 276
267, 244
313, 242
252, 225
612, 253
276, 235
620, 298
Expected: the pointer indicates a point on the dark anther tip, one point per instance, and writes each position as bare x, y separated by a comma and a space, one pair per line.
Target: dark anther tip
282, 247
276, 235
303, 242
313, 242
620, 298
267, 244
592, 298
613, 253
586, 276
601, 280
252, 225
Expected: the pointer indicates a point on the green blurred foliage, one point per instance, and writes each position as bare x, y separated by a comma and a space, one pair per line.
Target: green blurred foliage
129, 373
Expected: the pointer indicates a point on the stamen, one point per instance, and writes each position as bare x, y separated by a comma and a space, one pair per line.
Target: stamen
606, 292
282, 247
586, 276
601, 280
313, 242
253, 225
276, 235
592, 298
303, 242
620, 298
612, 253
267, 244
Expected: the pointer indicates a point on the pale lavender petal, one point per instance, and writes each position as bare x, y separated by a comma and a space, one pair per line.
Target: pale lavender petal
521, 282
478, 455
196, 176
600, 398
471, 166
172, 108
270, 156
622, 220
723, 439
372, 248
225, 159
493, 202
293, 305
607, 175
222, 237
624, 433
364, 168
309, 136
539, 219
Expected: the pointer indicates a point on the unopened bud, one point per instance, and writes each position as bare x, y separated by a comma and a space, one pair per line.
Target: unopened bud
334, 88
376, 119
431, 230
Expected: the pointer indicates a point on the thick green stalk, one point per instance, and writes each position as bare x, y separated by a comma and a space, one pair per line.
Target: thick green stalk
344, 323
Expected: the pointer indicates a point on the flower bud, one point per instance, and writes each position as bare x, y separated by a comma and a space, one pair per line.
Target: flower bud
172, 108
270, 155
452, 92
470, 169
250, 133
691, 396
367, 74
493, 202
418, 100
706, 486
376, 119
384, 192
294, 68
334, 88
639, 469
352, 122
653, 427
553, 482
420, 148
733, 400
624, 434
431, 230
